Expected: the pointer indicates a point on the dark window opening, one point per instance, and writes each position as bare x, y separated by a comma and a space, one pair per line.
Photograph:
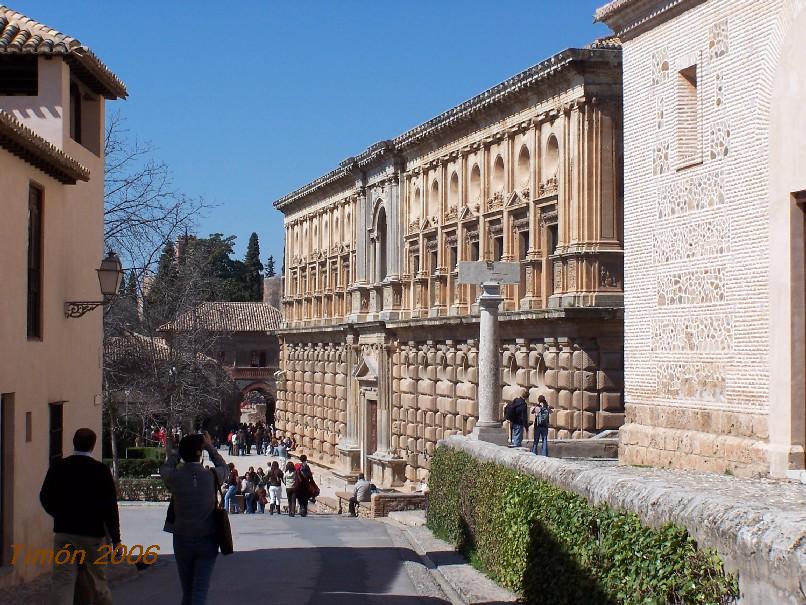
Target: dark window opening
415, 264
553, 237
453, 258
498, 247
34, 263
6, 476
523, 244
474, 251
56, 429
75, 113
258, 359
29, 427
433, 262
19, 75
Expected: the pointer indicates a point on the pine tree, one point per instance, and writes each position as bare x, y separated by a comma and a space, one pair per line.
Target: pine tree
161, 292
270, 267
253, 269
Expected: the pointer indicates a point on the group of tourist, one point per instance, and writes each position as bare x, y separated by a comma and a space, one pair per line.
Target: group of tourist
258, 488
517, 412
242, 438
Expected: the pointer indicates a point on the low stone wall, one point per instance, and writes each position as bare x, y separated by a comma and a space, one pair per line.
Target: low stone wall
757, 526
380, 505
143, 490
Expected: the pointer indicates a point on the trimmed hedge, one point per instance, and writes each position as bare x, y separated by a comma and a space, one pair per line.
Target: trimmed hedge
149, 453
553, 546
135, 468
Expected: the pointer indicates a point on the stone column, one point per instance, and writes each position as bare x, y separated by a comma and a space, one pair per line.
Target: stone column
394, 233
348, 447
488, 427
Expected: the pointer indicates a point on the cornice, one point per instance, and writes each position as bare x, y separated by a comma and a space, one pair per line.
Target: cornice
628, 18
454, 117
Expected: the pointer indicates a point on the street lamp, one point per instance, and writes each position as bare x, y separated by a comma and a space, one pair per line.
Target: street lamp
110, 274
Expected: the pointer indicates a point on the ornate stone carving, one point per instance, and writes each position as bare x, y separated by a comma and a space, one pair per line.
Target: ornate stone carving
496, 201
414, 225
472, 235
548, 217
610, 275
548, 187
558, 276
451, 213
495, 229
521, 224
431, 245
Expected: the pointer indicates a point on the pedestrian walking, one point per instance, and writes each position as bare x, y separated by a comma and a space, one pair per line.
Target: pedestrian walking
517, 412
291, 481
275, 479
80, 494
194, 493
542, 413
305, 490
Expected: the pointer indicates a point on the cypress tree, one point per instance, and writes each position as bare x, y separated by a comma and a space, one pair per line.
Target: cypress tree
254, 269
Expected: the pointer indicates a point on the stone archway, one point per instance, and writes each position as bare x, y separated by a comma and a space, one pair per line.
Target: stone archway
258, 404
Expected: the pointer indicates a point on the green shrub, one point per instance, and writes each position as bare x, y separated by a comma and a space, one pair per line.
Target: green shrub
552, 546
149, 453
138, 467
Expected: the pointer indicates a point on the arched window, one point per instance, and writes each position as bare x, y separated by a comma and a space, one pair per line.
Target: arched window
336, 234
325, 235
475, 183
380, 245
433, 199
551, 161
416, 204
523, 167
453, 191
498, 175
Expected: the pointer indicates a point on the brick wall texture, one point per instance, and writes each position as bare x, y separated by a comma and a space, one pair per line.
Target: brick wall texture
696, 239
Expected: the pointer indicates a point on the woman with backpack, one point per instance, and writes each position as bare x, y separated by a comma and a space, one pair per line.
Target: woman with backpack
291, 480
542, 414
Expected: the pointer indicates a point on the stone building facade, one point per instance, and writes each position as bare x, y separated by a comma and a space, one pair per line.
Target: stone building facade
379, 345
715, 186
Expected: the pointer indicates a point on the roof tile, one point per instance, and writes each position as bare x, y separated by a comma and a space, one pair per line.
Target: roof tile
227, 317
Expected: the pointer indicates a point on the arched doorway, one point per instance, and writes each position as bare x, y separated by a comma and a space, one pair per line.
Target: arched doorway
258, 405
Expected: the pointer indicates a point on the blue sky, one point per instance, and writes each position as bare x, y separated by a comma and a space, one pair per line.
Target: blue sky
248, 100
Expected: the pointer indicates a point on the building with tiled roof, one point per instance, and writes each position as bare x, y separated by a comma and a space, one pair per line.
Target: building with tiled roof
227, 317
243, 340
53, 91
21, 35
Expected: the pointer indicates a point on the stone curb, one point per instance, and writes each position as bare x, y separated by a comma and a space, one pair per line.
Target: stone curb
460, 581
758, 526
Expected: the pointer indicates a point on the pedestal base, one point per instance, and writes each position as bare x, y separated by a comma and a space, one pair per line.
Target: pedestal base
349, 461
386, 471
490, 434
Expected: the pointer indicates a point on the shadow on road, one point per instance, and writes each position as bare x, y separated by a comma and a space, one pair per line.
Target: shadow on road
332, 575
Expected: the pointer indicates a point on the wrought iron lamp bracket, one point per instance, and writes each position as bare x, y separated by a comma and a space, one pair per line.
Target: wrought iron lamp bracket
79, 308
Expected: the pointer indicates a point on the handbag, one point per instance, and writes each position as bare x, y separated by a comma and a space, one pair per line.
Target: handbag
223, 531
170, 518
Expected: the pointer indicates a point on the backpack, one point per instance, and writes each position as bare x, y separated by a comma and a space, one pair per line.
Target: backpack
509, 410
543, 416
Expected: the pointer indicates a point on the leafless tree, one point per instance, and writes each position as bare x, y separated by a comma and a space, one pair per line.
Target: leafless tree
142, 207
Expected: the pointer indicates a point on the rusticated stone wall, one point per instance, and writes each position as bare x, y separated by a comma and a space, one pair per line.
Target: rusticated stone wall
432, 384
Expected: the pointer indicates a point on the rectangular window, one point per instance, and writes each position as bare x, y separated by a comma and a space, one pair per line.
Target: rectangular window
55, 430
75, 113
34, 263
688, 119
19, 75
553, 239
432, 265
474, 251
415, 264
498, 248
29, 427
258, 359
453, 260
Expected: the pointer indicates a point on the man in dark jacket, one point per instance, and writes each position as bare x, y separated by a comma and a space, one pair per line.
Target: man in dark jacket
79, 493
519, 417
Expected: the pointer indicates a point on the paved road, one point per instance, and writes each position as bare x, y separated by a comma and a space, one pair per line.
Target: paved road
318, 559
